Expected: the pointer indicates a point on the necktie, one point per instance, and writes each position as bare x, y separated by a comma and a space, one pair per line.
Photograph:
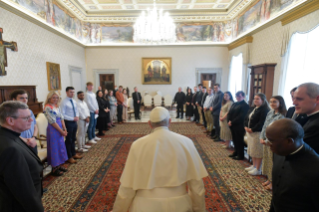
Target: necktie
73, 108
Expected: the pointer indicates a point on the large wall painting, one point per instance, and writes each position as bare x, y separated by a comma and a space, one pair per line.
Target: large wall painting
93, 33
156, 71
54, 76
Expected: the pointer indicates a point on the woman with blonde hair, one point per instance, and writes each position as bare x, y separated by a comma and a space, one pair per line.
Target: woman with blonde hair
56, 132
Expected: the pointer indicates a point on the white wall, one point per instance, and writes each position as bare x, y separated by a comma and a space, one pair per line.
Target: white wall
185, 60
36, 46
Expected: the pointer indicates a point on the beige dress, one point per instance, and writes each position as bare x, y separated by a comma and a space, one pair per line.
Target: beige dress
225, 133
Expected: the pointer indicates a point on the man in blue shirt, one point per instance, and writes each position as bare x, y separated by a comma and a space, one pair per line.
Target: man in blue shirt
29, 135
71, 117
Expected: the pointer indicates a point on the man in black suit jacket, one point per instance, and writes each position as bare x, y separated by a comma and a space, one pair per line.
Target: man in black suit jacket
215, 108
235, 118
295, 169
137, 103
20, 168
205, 94
300, 118
306, 101
180, 99
196, 115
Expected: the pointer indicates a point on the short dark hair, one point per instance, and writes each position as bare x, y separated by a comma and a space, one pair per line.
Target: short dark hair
293, 129
282, 105
79, 92
217, 85
10, 109
203, 87
200, 85
69, 88
120, 86
293, 90
16, 93
242, 93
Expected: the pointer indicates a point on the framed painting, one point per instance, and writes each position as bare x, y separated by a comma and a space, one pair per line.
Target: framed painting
54, 76
157, 71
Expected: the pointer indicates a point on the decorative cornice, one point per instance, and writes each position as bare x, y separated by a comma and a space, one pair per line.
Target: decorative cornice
241, 41
306, 9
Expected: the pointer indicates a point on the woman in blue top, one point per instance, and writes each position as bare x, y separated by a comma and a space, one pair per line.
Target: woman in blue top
278, 106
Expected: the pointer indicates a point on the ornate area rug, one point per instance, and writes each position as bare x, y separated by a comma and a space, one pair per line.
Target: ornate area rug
92, 183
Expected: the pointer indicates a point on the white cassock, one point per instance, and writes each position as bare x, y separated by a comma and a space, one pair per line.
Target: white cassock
158, 169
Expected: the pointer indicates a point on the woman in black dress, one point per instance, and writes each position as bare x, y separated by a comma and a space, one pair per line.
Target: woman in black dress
103, 112
189, 107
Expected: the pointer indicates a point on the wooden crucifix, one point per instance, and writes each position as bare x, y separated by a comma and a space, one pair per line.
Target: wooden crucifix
3, 53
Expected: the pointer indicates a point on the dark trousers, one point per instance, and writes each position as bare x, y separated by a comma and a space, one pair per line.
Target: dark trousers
119, 113
238, 133
204, 119
137, 110
71, 127
216, 125
180, 110
196, 114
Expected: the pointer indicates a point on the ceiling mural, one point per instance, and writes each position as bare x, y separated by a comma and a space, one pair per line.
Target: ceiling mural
111, 33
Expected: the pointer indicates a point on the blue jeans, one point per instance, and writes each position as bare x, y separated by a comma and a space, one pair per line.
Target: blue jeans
92, 126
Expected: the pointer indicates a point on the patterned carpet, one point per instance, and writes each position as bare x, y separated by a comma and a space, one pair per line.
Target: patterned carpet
92, 184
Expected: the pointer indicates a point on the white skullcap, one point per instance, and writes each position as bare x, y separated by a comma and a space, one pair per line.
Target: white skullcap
159, 114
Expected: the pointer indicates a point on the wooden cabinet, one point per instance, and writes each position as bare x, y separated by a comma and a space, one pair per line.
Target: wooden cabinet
261, 80
33, 103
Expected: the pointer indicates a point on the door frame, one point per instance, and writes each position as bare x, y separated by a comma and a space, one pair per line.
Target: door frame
79, 70
217, 71
97, 73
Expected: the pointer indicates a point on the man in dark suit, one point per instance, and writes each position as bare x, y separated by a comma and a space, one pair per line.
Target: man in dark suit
215, 108
198, 101
235, 118
205, 94
196, 115
20, 168
295, 168
137, 103
180, 99
306, 101
300, 118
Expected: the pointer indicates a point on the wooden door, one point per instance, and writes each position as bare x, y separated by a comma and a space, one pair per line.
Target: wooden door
107, 81
208, 80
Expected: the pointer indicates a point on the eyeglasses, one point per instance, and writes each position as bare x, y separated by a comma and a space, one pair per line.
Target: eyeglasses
23, 118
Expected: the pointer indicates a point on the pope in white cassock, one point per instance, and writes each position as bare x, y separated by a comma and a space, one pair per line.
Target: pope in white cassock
158, 169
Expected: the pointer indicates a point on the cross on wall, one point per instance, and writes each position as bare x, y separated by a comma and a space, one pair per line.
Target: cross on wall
3, 53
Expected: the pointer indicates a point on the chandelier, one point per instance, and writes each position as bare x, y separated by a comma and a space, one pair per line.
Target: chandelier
154, 27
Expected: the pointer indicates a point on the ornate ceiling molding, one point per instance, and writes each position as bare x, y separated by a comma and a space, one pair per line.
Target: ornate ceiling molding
241, 41
304, 10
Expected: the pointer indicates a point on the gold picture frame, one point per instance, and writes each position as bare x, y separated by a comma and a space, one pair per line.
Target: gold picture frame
156, 70
54, 76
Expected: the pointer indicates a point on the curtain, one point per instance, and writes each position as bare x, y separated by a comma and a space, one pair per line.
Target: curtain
300, 62
236, 74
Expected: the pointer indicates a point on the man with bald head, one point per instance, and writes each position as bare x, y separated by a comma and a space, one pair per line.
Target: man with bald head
306, 101
158, 169
180, 99
295, 170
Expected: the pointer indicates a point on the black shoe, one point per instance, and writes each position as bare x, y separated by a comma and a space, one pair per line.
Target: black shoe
177, 117
100, 134
214, 137
217, 139
232, 155
238, 158
182, 117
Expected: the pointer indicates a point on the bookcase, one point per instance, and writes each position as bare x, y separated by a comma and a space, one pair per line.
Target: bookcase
261, 80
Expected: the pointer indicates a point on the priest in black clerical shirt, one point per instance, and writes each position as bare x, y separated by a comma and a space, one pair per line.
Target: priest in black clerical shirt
180, 99
306, 101
295, 169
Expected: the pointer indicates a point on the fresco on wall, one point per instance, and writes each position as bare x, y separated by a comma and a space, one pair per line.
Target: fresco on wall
35, 6
117, 34
208, 32
92, 33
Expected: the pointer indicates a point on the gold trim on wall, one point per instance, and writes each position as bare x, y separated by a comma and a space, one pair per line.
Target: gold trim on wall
241, 41
306, 9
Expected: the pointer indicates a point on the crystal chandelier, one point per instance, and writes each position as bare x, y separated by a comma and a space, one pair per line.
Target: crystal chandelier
154, 27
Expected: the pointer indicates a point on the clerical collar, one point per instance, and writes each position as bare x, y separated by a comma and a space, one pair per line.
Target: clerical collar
296, 150
313, 113
11, 131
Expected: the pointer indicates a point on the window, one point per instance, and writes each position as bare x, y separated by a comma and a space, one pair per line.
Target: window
302, 62
236, 74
